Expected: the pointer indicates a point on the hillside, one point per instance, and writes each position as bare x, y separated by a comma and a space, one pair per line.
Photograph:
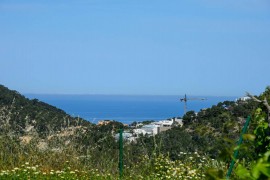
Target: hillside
21, 114
34, 132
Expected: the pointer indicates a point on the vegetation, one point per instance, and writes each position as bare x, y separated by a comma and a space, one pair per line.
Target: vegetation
39, 141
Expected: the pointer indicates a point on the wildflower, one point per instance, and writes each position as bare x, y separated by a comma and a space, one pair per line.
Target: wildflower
27, 163
192, 171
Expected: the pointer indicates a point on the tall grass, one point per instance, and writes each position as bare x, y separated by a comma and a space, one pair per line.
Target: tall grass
72, 154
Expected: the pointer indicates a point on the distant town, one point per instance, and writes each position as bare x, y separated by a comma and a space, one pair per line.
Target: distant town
152, 128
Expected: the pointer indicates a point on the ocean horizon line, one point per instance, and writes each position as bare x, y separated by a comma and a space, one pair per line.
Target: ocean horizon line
70, 94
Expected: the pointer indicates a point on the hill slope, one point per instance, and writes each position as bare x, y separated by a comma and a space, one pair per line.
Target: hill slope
19, 113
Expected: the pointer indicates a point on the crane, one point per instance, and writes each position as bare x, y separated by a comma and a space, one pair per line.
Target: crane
185, 99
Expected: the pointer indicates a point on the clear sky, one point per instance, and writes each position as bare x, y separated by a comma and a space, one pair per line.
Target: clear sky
156, 47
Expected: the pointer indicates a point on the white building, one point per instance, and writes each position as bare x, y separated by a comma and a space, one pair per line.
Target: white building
169, 123
139, 131
157, 127
244, 98
149, 129
166, 123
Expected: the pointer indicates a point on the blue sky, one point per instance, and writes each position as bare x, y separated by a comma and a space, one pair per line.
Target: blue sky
154, 47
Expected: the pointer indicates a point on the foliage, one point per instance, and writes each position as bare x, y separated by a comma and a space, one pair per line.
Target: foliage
189, 117
258, 143
262, 132
260, 168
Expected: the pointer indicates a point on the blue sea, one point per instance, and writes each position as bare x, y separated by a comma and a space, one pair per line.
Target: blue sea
126, 108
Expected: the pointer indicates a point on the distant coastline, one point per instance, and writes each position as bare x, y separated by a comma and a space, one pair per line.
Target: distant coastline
125, 108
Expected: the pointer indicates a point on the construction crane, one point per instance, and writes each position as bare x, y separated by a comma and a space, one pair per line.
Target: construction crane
185, 99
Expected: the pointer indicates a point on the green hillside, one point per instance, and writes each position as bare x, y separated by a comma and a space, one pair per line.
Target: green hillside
22, 112
37, 140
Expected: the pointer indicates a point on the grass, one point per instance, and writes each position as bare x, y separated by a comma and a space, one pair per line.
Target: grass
69, 155
26, 171
193, 166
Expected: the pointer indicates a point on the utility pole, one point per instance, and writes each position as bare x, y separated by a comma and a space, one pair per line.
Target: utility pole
185, 99
120, 153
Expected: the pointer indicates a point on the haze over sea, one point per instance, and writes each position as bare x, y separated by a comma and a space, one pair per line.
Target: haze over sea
126, 108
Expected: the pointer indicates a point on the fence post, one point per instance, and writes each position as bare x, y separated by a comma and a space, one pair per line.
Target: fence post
121, 153
235, 154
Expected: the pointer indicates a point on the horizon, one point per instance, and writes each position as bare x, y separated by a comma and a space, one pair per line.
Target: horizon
56, 94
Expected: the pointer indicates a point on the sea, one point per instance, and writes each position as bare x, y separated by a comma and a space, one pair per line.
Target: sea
127, 108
